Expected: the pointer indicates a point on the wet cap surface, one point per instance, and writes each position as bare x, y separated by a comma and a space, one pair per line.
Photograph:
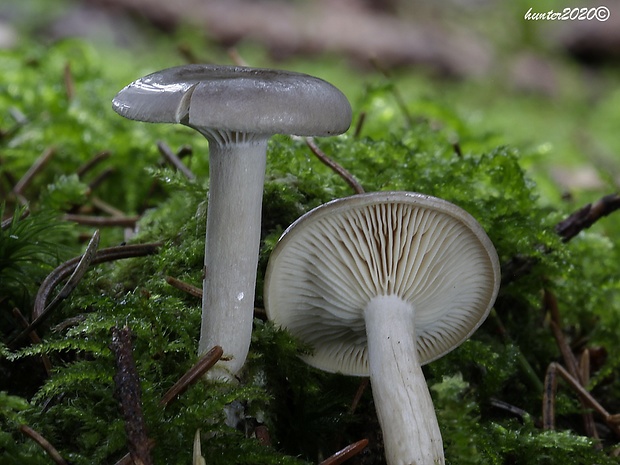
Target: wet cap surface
237, 99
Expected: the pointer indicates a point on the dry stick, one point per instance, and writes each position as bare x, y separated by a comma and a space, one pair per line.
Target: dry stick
68, 80
107, 208
236, 57
34, 169
98, 180
192, 375
262, 435
343, 173
128, 391
185, 287
65, 270
610, 420
358, 394
346, 453
566, 229
127, 460
75, 278
44, 444
174, 160
102, 221
9, 221
34, 337
359, 125
548, 407
551, 305
90, 164
400, 101
587, 216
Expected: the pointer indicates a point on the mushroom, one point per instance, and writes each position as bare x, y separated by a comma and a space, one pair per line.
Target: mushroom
237, 109
380, 284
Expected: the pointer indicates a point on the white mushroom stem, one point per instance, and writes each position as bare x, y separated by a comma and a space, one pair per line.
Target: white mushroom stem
404, 406
236, 172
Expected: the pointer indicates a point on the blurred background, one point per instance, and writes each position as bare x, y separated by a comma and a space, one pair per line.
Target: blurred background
549, 87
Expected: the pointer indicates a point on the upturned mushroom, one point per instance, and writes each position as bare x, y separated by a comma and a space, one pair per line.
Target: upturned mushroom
237, 109
380, 284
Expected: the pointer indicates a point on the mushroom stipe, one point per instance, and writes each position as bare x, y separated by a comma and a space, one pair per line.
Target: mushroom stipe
380, 284
237, 109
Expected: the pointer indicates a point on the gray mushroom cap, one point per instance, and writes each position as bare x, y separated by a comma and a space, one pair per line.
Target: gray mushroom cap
237, 99
334, 260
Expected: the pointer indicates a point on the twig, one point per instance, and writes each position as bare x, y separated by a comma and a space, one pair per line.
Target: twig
127, 460
587, 216
90, 164
102, 221
345, 454
106, 207
65, 270
76, 276
34, 337
34, 169
44, 444
174, 160
590, 401
192, 375
343, 173
262, 435
566, 229
185, 287
358, 394
358, 126
128, 391
96, 182
236, 57
400, 101
9, 221
69, 83
551, 305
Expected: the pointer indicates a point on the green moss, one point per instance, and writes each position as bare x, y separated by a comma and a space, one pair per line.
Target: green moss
308, 413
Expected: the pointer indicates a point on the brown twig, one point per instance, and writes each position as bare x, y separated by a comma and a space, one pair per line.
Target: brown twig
75, 278
44, 444
590, 401
359, 125
185, 287
65, 270
192, 375
345, 454
343, 173
128, 391
236, 57
102, 221
398, 97
34, 169
34, 337
359, 393
551, 305
9, 221
90, 164
127, 460
98, 180
69, 82
587, 216
566, 229
174, 160
107, 208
